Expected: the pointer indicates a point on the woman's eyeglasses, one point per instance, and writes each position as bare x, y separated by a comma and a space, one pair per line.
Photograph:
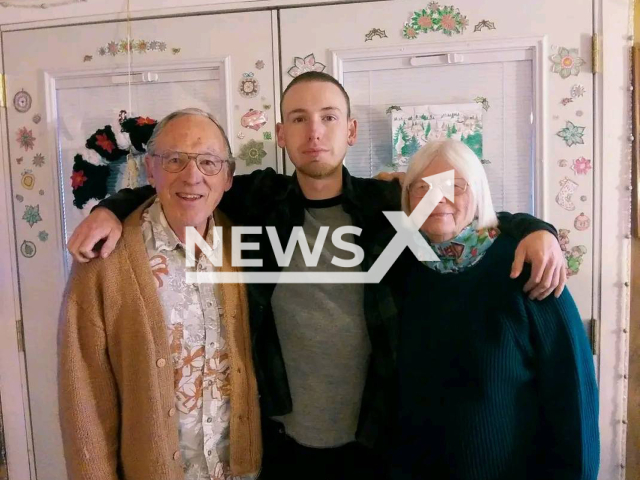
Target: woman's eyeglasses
420, 188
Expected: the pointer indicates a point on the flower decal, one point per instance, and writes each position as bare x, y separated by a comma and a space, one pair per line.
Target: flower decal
423, 20
252, 153
581, 166
259, 64
142, 46
112, 48
26, 139
409, 31
43, 236
447, 20
32, 214
306, 64
566, 62
124, 46
572, 134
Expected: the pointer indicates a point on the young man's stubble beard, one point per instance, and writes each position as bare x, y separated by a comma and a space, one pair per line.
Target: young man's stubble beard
318, 170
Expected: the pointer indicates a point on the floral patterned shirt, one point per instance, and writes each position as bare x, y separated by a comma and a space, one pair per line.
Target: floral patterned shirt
198, 349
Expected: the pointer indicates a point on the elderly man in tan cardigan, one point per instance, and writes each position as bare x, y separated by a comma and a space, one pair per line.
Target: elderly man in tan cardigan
156, 375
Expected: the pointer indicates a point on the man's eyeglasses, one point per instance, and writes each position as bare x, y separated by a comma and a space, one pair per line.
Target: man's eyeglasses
175, 162
420, 187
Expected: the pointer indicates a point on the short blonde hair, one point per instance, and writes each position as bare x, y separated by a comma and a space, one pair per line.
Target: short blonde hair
468, 166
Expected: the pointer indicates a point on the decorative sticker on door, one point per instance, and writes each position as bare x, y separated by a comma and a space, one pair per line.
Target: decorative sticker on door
577, 91
581, 166
25, 138
249, 86
567, 188
447, 20
254, 119
252, 153
484, 24
582, 222
484, 102
304, 65
375, 32
572, 134
574, 255
566, 62
32, 215
38, 160
28, 249
28, 179
22, 101
123, 47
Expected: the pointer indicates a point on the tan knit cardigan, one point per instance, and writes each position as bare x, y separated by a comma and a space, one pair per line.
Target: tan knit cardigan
116, 380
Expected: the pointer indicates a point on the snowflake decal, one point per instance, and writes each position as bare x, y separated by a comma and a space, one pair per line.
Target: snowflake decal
38, 160
43, 236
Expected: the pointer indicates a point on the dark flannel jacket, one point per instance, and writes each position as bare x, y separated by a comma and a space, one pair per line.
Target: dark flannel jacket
266, 198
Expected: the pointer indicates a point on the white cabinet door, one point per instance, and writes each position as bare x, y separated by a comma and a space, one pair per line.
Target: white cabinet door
73, 88
530, 61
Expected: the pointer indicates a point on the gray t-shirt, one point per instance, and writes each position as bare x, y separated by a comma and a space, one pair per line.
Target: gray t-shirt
324, 340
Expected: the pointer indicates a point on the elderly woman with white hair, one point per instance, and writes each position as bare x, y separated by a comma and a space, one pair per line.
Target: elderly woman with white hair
492, 385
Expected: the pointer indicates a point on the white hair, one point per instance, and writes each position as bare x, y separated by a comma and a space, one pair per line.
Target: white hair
466, 163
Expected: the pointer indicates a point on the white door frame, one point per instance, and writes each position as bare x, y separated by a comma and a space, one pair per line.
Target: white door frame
13, 382
613, 21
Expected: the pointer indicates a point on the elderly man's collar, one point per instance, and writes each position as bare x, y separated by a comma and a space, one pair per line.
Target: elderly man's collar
163, 235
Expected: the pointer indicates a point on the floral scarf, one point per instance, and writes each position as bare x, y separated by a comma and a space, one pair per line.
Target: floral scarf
463, 250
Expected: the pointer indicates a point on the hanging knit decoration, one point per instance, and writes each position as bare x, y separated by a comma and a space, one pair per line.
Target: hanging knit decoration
113, 160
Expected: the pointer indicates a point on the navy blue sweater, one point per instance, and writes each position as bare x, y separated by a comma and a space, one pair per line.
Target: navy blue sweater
492, 385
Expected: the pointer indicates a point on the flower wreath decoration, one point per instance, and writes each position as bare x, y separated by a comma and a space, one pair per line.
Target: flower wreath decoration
112, 160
